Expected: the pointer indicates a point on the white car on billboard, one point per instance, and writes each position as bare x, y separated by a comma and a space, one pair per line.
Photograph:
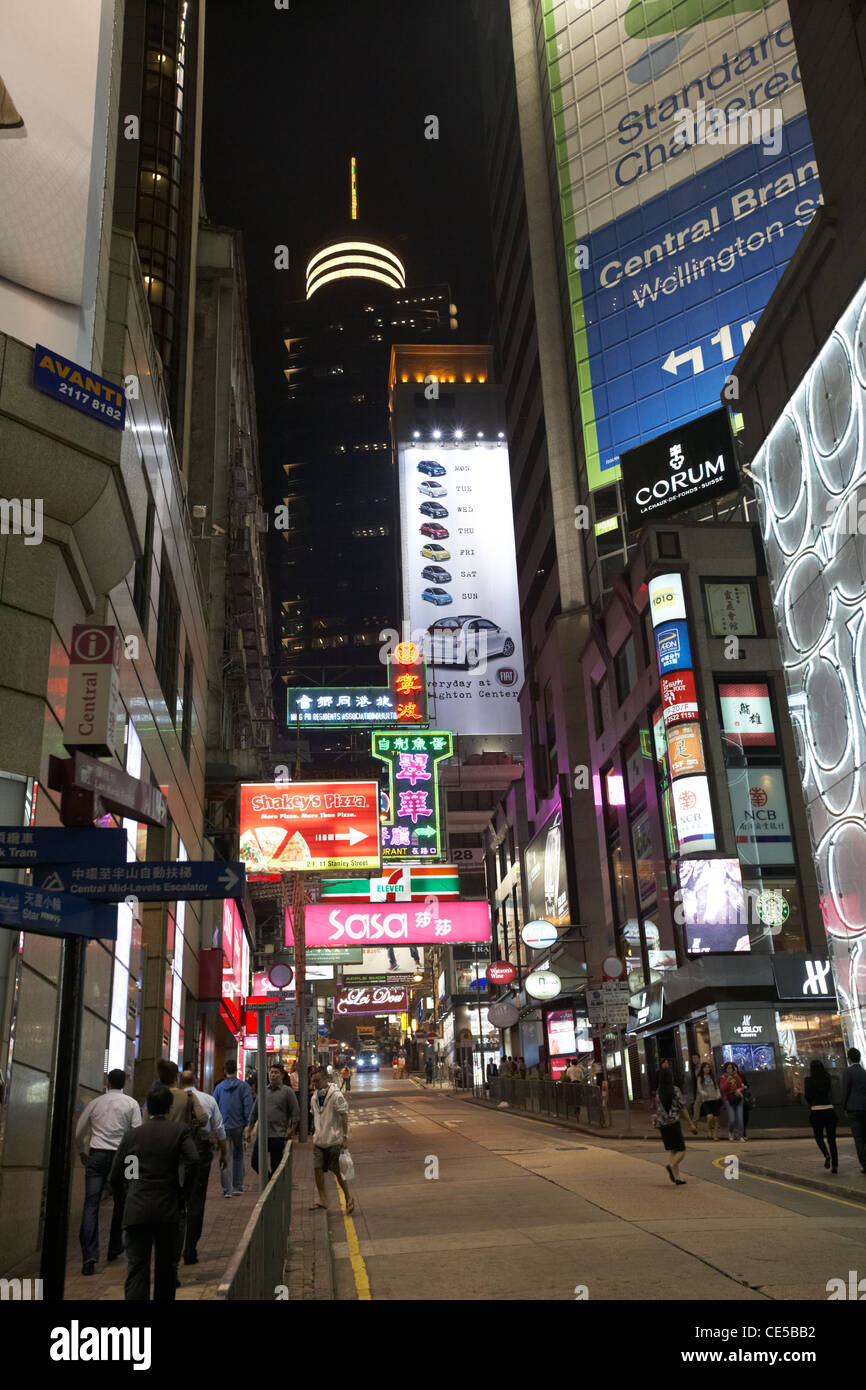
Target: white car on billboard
466, 639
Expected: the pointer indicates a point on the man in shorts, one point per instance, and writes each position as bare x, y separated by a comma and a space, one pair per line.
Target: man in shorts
330, 1111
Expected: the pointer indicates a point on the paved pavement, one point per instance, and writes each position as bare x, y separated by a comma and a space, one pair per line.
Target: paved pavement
454, 1200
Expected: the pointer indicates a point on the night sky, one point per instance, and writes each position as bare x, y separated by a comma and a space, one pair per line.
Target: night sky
290, 96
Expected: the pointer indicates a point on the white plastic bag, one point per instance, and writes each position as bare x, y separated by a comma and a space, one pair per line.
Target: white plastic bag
347, 1167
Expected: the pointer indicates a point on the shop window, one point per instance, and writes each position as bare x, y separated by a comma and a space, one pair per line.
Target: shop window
626, 670
803, 1038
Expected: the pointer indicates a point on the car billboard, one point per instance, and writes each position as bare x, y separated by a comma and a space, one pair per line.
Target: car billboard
462, 591
291, 827
686, 179
713, 905
546, 884
54, 87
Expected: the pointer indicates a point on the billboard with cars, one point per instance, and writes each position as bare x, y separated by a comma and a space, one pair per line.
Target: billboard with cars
460, 581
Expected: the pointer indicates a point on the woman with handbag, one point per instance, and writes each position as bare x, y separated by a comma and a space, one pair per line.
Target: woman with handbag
733, 1087
670, 1106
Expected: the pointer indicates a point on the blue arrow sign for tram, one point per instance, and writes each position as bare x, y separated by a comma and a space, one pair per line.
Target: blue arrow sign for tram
56, 845
54, 914
150, 883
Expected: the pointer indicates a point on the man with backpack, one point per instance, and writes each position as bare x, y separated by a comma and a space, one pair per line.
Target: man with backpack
204, 1139
185, 1110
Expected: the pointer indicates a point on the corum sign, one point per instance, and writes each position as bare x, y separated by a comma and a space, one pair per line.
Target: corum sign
679, 469
371, 999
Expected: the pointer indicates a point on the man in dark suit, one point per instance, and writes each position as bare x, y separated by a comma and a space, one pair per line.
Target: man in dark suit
854, 1102
154, 1173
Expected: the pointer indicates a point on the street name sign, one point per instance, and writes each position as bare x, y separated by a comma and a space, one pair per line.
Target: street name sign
54, 914
153, 882
20, 847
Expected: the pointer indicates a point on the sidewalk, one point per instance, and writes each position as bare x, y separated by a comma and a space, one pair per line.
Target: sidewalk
308, 1258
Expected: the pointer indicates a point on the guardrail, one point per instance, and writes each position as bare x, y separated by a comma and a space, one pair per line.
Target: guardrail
561, 1099
258, 1265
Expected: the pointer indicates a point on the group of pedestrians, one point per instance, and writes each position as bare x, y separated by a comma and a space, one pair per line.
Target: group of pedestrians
158, 1166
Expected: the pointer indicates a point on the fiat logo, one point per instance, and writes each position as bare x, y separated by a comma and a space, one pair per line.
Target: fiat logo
506, 675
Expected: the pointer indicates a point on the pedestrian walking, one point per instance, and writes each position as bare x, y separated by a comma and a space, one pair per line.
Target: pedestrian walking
183, 1111
235, 1101
104, 1122
605, 1094
732, 1087
294, 1077
283, 1117
346, 1078
748, 1104
153, 1174
428, 1068
854, 1103
670, 1107
330, 1138
819, 1098
204, 1139
690, 1086
710, 1099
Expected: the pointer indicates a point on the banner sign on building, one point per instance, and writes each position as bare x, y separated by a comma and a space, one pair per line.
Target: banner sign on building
679, 697
406, 883
686, 179
409, 923
93, 704
667, 600
762, 822
694, 815
370, 999
412, 826
679, 469
713, 905
685, 750
747, 715
403, 703
546, 885
460, 581
78, 387
672, 646
297, 826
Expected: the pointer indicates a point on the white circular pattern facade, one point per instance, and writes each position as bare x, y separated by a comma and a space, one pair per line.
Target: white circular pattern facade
811, 485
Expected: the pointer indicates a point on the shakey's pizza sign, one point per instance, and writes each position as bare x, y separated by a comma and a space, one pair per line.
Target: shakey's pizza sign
371, 999
293, 826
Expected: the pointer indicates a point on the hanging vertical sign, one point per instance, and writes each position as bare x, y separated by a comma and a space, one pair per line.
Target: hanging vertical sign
411, 822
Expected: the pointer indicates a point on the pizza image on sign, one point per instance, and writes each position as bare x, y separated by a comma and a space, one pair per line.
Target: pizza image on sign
294, 827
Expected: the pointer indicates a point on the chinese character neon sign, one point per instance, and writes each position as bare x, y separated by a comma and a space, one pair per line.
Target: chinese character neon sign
411, 827
402, 702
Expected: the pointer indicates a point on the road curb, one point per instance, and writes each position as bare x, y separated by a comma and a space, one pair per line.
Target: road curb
852, 1194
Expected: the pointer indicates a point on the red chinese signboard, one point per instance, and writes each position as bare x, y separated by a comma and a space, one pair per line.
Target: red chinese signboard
679, 697
370, 999
296, 826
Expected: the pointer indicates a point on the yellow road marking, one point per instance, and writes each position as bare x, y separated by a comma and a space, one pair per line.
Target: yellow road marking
793, 1187
359, 1269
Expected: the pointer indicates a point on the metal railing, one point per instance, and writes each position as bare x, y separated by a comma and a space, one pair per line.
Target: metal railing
258, 1265
567, 1100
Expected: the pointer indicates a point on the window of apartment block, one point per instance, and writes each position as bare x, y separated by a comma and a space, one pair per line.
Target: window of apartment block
626, 669
167, 635
143, 568
186, 705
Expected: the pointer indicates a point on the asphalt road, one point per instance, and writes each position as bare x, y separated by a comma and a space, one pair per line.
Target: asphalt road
457, 1201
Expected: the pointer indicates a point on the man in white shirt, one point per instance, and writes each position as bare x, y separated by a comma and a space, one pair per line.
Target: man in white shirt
212, 1133
330, 1111
574, 1071
105, 1121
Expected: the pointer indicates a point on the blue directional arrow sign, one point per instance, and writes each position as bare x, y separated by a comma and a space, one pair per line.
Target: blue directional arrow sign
56, 845
150, 883
54, 914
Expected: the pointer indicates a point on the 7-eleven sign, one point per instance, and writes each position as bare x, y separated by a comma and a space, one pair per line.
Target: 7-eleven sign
404, 883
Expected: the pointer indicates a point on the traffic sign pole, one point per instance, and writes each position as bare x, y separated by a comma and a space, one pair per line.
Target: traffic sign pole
262, 1098
67, 1060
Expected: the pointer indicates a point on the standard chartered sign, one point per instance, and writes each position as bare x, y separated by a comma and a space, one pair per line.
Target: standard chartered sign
661, 107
